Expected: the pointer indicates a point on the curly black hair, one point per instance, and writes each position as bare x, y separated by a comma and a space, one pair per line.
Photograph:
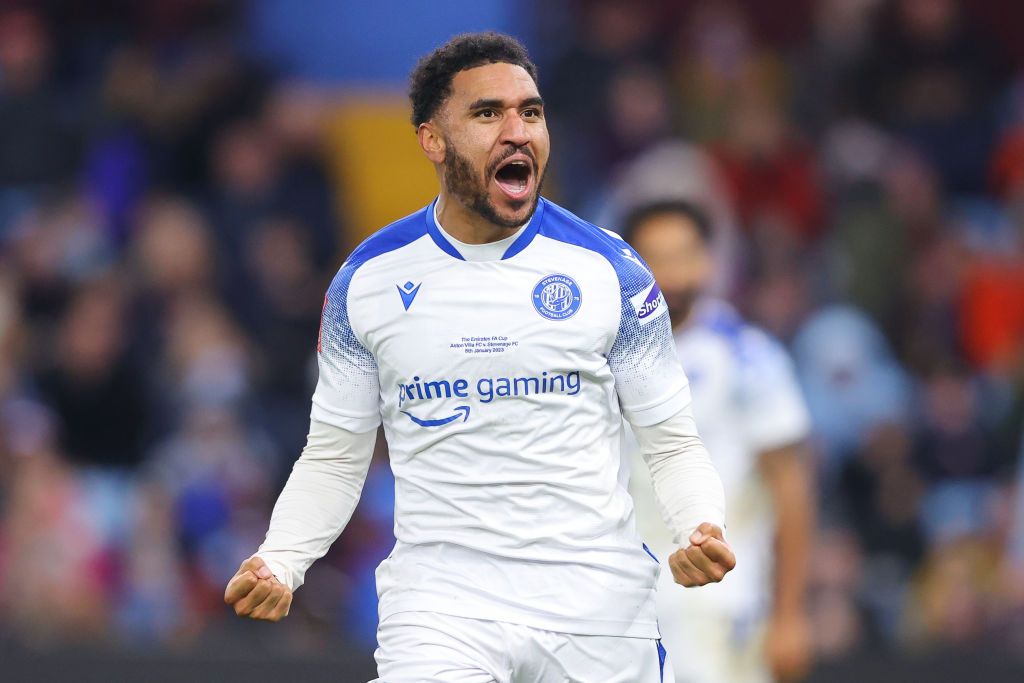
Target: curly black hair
431, 81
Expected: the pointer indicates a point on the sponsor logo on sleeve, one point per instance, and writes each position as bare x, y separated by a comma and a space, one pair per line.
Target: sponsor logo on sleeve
649, 304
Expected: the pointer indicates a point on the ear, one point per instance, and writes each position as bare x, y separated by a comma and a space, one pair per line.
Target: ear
431, 141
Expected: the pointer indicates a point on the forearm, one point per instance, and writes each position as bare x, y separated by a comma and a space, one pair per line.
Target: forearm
687, 488
317, 501
789, 479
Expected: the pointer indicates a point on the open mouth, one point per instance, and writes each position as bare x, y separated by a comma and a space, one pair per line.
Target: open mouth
513, 177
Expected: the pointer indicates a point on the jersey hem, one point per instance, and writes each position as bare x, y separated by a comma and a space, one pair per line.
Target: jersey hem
484, 612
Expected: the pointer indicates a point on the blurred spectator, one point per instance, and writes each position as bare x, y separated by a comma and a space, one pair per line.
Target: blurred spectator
55, 568
38, 131
95, 390
154, 604
851, 380
281, 312
608, 33
254, 180
992, 308
639, 113
207, 356
881, 493
716, 61
932, 78
770, 172
836, 576
216, 474
956, 595
53, 247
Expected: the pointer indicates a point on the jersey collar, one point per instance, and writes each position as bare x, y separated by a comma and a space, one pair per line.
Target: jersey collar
524, 239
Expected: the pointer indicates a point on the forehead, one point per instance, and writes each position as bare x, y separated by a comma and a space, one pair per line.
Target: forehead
663, 229
507, 82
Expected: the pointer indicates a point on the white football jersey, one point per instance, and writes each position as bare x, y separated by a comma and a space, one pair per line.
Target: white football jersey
502, 385
746, 401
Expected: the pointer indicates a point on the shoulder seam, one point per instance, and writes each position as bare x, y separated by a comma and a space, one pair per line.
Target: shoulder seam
365, 252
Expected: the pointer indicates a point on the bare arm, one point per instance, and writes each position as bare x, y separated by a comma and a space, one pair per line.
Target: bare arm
788, 476
786, 472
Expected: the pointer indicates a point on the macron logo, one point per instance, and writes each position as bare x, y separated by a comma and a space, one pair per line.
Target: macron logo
408, 293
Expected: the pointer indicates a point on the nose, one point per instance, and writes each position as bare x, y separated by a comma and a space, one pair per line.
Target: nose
514, 130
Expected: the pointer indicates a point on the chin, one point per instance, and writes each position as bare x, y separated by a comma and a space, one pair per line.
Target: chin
515, 214
518, 216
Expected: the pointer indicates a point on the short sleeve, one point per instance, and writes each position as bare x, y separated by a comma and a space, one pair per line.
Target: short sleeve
649, 379
348, 391
774, 411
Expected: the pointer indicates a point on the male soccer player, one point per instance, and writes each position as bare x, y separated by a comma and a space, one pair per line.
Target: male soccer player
500, 338
751, 414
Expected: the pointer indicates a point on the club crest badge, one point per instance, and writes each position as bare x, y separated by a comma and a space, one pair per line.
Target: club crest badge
557, 297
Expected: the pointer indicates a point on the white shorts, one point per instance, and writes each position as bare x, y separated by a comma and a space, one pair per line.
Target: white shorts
425, 647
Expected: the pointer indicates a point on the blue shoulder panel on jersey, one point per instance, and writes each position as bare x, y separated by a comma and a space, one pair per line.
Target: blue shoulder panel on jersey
334, 322
564, 226
391, 237
632, 344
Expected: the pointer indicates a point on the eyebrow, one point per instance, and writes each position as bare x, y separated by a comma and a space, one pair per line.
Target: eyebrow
498, 104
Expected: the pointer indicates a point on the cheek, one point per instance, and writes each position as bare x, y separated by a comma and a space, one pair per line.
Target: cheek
666, 275
703, 270
543, 146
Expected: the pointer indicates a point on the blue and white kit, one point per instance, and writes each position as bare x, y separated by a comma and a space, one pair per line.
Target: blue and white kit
501, 373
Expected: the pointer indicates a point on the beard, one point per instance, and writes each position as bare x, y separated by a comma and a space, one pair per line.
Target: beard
681, 303
471, 190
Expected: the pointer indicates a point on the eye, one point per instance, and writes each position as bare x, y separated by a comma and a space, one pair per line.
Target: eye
487, 114
532, 113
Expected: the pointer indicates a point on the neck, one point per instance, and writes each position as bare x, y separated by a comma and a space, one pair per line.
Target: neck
466, 225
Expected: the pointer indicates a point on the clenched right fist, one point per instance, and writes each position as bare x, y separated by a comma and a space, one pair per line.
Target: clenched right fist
256, 593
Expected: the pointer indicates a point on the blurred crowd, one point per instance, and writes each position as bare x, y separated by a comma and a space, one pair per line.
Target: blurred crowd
169, 224
864, 162
167, 233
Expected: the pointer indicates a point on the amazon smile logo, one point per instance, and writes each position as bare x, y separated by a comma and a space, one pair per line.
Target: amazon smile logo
460, 411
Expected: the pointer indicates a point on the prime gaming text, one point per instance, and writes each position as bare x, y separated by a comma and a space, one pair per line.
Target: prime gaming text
489, 388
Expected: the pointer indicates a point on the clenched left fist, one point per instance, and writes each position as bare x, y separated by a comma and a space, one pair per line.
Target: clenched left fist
256, 593
707, 559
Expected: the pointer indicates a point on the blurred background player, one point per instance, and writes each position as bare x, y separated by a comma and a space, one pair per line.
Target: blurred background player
752, 416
